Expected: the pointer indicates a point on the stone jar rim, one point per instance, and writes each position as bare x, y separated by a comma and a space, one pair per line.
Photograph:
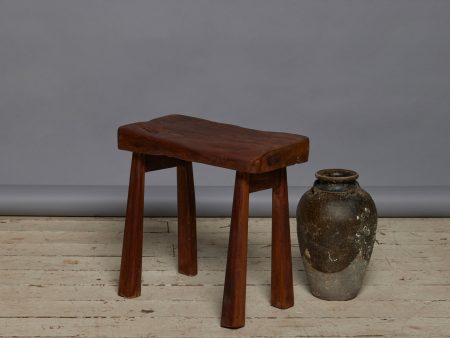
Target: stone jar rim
337, 175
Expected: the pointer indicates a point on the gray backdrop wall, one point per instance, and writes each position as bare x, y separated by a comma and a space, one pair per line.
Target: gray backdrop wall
367, 81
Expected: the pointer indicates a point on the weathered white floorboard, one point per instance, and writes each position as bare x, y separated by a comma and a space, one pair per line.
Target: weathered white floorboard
206, 237
96, 224
58, 278
209, 327
107, 263
388, 293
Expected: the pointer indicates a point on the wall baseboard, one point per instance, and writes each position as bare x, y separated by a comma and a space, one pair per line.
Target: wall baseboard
428, 201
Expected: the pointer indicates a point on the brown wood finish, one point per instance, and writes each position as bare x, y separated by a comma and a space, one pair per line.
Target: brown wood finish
131, 265
154, 162
233, 305
187, 236
262, 181
219, 144
282, 290
260, 159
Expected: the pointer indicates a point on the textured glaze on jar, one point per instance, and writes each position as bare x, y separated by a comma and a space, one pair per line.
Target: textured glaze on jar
336, 225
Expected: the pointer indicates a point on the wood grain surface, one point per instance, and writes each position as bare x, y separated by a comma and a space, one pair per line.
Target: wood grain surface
234, 293
219, 144
59, 278
131, 266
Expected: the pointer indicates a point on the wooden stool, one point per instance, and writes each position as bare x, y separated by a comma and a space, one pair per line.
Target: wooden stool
260, 159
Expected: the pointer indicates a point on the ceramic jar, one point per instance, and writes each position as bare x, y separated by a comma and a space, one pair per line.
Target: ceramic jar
336, 225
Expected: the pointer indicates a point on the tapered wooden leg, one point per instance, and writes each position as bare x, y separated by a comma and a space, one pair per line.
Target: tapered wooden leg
233, 306
131, 267
187, 236
282, 291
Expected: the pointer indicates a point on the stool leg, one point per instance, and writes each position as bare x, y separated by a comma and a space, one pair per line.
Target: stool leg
187, 236
282, 291
131, 267
233, 306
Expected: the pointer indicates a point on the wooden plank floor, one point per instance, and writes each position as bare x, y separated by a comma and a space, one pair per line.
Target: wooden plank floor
58, 277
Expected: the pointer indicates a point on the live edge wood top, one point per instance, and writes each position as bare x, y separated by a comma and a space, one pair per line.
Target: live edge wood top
218, 144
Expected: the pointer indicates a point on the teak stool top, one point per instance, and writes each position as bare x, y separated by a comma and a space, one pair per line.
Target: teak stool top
218, 144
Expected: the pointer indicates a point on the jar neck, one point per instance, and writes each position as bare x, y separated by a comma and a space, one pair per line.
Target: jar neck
336, 180
334, 186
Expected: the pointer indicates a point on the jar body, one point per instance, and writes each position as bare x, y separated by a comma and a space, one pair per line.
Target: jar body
336, 226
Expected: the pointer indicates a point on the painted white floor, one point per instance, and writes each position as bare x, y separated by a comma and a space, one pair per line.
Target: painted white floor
58, 277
